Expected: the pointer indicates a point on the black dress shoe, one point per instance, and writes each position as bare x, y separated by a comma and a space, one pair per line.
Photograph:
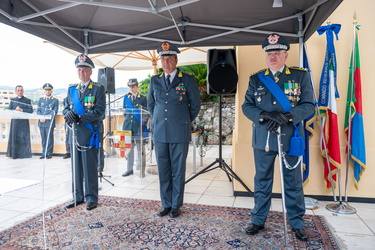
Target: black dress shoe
127, 173
91, 205
42, 157
253, 229
71, 205
66, 156
175, 213
164, 211
49, 156
300, 234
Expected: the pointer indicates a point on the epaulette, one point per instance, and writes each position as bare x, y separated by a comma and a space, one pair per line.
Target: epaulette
98, 84
258, 72
186, 73
298, 68
73, 84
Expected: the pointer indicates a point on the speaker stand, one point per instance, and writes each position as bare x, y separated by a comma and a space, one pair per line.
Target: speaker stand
104, 177
221, 163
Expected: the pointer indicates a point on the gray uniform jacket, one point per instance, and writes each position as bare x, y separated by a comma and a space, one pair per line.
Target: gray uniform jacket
48, 107
173, 109
93, 101
295, 83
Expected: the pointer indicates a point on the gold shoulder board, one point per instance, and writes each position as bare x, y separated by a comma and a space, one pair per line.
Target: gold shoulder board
258, 72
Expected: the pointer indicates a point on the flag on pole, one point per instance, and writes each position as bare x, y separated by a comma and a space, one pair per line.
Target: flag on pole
353, 125
309, 124
328, 93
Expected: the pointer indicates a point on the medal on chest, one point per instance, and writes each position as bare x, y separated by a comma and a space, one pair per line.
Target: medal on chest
89, 101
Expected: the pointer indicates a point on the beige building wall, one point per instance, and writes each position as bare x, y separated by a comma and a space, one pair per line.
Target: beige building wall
251, 59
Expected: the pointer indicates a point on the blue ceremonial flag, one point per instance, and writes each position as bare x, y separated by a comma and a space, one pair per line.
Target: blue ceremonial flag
308, 124
328, 93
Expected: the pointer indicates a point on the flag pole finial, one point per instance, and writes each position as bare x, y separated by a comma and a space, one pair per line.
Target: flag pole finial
329, 22
355, 18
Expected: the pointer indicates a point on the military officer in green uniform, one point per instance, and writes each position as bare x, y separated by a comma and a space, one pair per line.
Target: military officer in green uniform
173, 103
135, 121
269, 109
84, 110
47, 105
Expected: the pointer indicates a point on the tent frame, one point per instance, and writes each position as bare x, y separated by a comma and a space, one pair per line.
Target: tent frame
156, 10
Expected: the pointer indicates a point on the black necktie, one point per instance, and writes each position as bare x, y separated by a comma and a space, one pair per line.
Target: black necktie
168, 81
133, 98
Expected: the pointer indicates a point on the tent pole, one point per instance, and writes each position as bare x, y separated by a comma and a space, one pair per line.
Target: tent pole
86, 37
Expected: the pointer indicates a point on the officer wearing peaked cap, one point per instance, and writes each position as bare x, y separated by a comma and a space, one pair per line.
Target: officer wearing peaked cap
84, 61
279, 96
47, 86
84, 111
47, 105
135, 121
173, 102
167, 49
275, 42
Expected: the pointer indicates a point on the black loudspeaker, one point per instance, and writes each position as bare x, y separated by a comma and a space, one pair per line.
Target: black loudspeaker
222, 75
106, 76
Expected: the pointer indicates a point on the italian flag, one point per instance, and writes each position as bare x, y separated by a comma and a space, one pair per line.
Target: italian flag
330, 141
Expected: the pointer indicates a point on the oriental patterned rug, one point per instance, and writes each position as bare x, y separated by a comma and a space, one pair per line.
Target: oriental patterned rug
123, 223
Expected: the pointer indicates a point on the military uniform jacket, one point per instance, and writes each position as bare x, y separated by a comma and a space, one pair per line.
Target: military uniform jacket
48, 107
93, 101
173, 109
295, 83
130, 121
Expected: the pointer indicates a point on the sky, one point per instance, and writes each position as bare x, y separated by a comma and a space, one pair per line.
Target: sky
26, 60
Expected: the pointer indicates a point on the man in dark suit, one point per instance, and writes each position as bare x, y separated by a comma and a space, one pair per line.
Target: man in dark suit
85, 106
47, 105
135, 121
19, 135
173, 102
270, 111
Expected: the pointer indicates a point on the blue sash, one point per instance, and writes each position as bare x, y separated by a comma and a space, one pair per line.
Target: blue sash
94, 139
276, 91
135, 112
296, 142
137, 115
